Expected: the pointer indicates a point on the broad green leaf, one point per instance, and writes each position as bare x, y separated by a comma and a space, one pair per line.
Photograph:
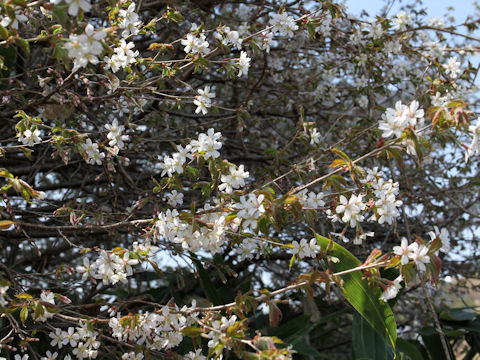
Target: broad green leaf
473, 326
303, 348
409, 349
60, 14
207, 284
433, 344
367, 343
464, 314
297, 328
363, 298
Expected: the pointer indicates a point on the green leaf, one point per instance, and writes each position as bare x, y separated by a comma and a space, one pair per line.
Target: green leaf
409, 349
362, 297
24, 296
9, 56
367, 343
24, 315
295, 330
207, 284
292, 326
60, 14
23, 44
303, 348
463, 314
433, 344
192, 331
473, 326
4, 33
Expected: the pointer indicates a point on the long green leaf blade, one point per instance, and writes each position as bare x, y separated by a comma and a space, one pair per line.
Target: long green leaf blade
362, 297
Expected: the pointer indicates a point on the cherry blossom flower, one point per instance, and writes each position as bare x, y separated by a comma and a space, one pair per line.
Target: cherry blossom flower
3, 293
234, 180
392, 289
283, 24
74, 5
30, 138
243, 64
174, 198
403, 251
452, 67
419, 254
444, 237
49, 356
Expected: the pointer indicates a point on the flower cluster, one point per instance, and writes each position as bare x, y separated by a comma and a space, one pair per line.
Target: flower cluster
305, 248
444, 237
229, 37
41, 311
207, 146
82, 339
219, 328
155, 331
283, 24
110, 267
386, 205
415, 251
123, 57
203, 100
266, 38
129, 21
196, 45
474, 148
243, 64
174, 198
250, 208
394, 121
234, 180
452, 67
3, 293
190, 235
391, 289
311, 200
249, 249
13, 21
85, 48
402, 21
312, 133
116, 134
349, 210
92, 154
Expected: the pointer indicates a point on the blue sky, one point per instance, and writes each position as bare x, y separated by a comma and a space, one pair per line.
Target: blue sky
462, 8
459, 9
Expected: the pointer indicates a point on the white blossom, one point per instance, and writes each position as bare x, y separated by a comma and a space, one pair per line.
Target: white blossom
234, 180
283, 24
243, 64
392, 289
74, 5
30, 138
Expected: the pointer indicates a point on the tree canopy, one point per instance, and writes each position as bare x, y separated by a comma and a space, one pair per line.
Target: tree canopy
236, 179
